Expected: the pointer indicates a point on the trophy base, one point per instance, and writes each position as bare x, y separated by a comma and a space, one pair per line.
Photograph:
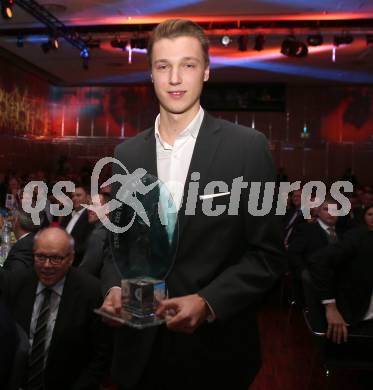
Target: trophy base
132, 321
140, 299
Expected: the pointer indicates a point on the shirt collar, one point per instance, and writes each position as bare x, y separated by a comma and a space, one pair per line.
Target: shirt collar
79, 212
23, 236
192, 129
57, 288
324, 225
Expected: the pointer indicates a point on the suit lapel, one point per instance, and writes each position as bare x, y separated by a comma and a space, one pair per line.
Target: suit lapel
27, 298
149, 158
204, 151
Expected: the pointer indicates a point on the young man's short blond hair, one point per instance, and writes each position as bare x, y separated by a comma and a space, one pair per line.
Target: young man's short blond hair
173, 28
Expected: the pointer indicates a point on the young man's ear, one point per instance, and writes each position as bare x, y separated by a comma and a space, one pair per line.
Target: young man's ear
206, 74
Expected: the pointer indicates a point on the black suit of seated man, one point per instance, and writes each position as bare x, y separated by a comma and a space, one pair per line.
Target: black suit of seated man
308, 239
77, 353
21, 254
343, 277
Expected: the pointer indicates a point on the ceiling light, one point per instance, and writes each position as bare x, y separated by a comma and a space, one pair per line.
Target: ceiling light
344, 39
315, 40
55, 44
52, 43
291, 47
259, 42
7, 9
225, 40
20, 41
84, 53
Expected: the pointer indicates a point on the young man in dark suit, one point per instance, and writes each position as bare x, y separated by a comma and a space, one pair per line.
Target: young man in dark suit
224, 263
54, 304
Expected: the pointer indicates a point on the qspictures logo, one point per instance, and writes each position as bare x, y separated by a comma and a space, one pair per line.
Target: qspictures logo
133, 186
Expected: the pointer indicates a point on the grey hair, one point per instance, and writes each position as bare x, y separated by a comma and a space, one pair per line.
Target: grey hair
25, 221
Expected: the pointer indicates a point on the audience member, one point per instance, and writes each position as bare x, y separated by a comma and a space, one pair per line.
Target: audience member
77, 223
343, 276
98, 240
21, 256
294, 216
311, 237
54, 304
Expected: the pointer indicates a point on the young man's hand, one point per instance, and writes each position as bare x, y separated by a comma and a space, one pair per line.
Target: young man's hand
184, 314
112, 305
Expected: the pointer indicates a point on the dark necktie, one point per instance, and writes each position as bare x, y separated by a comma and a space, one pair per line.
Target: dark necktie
37, 357
291, 224
332, 236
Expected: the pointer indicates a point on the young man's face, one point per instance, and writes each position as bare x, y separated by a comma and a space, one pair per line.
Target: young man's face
178, 72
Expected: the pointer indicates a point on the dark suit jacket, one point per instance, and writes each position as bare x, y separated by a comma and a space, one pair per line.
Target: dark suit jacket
344, 271
94, 255
81, 231
230, 260
21, 254
78, 354
308, 239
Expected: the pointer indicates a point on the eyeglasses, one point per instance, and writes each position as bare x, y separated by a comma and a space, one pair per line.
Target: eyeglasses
53, 259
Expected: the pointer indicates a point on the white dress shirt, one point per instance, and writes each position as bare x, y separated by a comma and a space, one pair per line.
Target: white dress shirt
75, 215
173, 161
55, 299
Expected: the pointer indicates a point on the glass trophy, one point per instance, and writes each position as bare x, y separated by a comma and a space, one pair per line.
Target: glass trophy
144, 253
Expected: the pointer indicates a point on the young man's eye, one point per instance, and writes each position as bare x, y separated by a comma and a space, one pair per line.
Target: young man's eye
162, 67
189, 65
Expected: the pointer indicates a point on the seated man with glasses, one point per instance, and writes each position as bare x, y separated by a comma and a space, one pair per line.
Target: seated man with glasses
54, 303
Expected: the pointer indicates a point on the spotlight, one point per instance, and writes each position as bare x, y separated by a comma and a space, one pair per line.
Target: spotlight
242, 42
291, 47
225, 40
20, 41
7, 9
315, 40
344, 39
84, 53
52, 43
259, 42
